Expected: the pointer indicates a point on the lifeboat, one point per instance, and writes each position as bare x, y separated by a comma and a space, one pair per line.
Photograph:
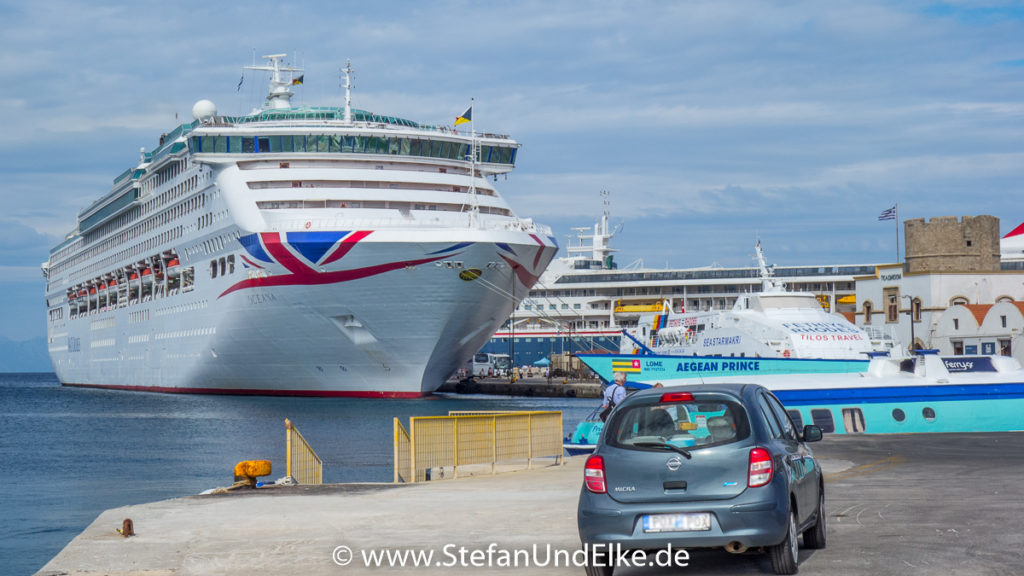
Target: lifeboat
147, 272
134, 276
112, 283
103, 286
173, 268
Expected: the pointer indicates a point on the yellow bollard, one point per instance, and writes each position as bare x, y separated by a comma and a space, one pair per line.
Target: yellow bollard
249, 470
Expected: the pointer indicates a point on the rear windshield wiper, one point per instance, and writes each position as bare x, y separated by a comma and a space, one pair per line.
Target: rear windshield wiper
664, 445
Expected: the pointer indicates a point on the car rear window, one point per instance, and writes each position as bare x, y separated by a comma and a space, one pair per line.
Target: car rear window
711, 420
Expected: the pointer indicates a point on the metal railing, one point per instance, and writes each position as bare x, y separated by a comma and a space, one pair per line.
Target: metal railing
302, 463
403, 454
468, 443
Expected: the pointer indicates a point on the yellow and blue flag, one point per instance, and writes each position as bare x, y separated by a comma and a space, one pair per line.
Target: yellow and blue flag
465, 117
297, 81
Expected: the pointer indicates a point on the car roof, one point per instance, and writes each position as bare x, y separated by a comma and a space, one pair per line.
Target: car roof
732, 388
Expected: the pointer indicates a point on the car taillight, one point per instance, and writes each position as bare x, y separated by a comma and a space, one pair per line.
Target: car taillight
760, 472
593, 474
677, 397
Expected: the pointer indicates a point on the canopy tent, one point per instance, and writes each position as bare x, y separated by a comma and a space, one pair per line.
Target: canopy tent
542, 362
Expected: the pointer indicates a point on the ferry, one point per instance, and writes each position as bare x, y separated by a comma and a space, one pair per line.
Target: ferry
583, 302
294, 250
923, 393
771, 323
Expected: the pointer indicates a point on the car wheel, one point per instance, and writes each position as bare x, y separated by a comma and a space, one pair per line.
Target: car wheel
784, 554
598, 564
814, 537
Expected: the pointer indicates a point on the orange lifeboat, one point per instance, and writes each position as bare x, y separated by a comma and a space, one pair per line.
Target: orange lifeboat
147, 272
134, 276
173, 268
103, 286
112, 283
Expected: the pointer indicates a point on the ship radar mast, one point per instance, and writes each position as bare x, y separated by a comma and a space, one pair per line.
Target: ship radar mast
768, 281
279, 95
599, 249
348, 91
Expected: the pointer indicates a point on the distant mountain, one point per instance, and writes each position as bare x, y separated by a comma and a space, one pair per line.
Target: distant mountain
24, 356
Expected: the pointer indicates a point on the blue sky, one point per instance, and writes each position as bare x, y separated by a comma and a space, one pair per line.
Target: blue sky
711, 123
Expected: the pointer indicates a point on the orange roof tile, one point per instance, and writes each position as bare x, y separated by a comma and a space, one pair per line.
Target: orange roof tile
979, 311
852, 316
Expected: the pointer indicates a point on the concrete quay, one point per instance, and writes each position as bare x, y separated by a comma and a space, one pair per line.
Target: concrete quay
900, 504
528, 386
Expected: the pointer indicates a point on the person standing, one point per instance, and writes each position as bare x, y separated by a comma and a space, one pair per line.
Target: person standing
614, 394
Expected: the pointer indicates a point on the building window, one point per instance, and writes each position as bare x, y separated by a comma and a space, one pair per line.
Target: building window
892, 305
956, 323
916, 309
958, 348
1003, 320
867, 312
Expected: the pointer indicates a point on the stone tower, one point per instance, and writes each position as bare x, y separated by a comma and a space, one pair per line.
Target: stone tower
945, 244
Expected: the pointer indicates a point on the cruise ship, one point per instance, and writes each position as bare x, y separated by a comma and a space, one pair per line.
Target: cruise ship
583, 302
311, 251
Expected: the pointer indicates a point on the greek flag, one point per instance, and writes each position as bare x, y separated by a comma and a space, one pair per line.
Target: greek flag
889, 214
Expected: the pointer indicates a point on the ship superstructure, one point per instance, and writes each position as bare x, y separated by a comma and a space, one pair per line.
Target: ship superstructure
771, 323
293, 250
584, 300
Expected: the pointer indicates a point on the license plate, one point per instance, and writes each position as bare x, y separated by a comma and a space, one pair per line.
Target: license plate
677, 522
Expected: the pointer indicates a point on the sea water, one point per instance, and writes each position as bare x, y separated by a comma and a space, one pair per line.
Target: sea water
68, 454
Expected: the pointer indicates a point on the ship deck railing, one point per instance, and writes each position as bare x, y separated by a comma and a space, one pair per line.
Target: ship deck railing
517, 225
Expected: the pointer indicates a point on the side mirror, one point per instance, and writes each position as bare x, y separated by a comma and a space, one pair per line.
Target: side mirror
812, 433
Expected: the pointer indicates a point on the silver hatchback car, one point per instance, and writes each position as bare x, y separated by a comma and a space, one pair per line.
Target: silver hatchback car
709, 465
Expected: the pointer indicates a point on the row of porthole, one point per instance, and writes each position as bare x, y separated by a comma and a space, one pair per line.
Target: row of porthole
899, 415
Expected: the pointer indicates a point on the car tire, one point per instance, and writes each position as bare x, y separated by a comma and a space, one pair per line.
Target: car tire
814, 537
784, 554
598, 564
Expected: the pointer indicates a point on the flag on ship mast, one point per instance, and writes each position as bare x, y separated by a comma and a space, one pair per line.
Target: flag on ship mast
297, 81
466, 116
240, 80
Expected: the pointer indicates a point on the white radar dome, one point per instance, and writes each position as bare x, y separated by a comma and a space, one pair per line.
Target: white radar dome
204, 110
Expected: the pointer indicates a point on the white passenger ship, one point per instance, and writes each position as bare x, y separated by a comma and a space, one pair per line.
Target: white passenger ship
296, 251
772, 323
583, 302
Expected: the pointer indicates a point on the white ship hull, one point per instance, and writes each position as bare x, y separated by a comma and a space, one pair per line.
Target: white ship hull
393, 333
295, 250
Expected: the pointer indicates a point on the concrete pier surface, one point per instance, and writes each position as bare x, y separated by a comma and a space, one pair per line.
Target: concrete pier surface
528, 386
901, 504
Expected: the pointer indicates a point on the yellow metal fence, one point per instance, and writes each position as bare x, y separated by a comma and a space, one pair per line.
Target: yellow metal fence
438, 447
303, 465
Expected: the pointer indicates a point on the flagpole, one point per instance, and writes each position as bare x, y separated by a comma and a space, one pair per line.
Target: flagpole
472, 173
897, 212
